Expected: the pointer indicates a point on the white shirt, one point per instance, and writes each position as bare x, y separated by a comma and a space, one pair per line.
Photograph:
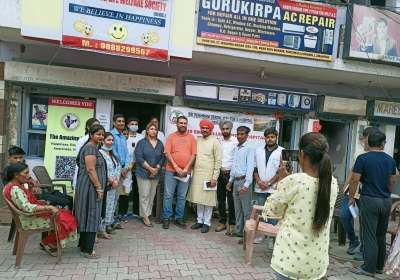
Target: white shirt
382, 46
78, 147
131, 143
160, 136
228, 151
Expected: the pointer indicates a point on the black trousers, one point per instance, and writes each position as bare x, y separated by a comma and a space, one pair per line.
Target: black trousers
86, 241
374, 220
222, 194
58, 198
133, 195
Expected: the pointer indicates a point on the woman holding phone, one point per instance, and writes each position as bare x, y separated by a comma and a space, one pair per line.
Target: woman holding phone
302, 243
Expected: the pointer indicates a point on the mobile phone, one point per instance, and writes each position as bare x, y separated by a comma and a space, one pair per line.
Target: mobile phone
290, 155
208, 184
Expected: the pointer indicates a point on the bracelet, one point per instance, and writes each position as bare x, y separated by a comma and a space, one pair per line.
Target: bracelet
175, 166
259, 182
100, 191
185, 170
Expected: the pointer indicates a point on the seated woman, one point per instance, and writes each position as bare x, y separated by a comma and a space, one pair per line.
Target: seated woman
24, 200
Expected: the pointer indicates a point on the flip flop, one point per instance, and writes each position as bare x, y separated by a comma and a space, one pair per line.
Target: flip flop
47, 250
90, 256
360, 271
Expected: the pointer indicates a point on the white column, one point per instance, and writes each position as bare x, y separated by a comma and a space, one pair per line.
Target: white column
390, 131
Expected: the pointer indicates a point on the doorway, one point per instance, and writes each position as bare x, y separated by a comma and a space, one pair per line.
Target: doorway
142, 111
286, 133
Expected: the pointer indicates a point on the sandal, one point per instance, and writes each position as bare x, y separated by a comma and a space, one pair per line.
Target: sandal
93, 255
359, 271
47, 249
110, 230
117, 226
104, 235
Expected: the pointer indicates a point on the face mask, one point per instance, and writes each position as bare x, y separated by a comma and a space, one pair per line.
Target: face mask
105, 148
134, 128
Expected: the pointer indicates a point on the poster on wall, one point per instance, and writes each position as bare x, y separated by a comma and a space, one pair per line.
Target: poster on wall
279, 27
39, 116
372, 33
66, 124
138, 29
257, 124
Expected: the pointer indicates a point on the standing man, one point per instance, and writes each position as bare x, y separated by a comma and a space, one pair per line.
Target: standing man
180, 151
121, 150
241, 177
228, 144
207, 168
345, 215
266, 165
377, 172
131, 193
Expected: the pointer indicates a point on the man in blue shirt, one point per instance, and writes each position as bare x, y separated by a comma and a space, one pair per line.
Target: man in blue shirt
121, 150
377, 172
241, 177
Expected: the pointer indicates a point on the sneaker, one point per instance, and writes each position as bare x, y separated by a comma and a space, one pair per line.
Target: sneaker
165, 224
196, 226
220, 227
259, 239
353, 247
205, 228
271, 243
359, 256
180, 223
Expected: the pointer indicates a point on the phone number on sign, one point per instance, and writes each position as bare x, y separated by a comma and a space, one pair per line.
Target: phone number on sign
124, 49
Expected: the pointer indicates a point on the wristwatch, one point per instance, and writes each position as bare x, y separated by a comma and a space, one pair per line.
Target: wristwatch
269, 184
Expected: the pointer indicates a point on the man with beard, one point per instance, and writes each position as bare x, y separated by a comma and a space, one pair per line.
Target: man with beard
207, 169
266, 165
241, 177
228, 144
180, 151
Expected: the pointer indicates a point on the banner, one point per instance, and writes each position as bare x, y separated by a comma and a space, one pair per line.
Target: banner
257, 124
133, 28
372, 33
275, 26
65, 125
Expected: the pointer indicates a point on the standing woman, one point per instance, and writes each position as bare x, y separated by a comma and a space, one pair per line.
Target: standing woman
150, 158
113, 174
305, 201
89, 192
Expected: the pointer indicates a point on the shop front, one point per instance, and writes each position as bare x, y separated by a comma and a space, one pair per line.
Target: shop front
110, 92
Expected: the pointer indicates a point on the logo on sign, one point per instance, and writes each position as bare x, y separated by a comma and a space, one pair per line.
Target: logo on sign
70, 122
173, 117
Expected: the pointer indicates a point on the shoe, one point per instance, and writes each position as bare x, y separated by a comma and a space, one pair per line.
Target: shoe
220, 227
196, 226
353, 247
205, 229
180, 223
359, 256
234, 234
240, 241
165, 224
147, 225
271, 243
259, 239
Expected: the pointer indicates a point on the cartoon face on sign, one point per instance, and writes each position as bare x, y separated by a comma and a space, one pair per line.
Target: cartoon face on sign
150, 38
117, 32
83, 27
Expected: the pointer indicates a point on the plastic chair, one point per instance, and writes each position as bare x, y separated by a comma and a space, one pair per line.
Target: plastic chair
253, 227
45, 181
23, 235
393, 231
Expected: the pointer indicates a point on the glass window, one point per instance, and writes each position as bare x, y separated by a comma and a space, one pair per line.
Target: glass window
38, 109
36, 144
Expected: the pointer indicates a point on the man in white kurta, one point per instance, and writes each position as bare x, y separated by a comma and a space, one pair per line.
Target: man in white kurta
207, 168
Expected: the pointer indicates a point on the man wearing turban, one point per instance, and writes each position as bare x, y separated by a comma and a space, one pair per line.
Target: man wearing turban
207, 168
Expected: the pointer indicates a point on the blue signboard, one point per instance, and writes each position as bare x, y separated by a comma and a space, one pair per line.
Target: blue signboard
270, 26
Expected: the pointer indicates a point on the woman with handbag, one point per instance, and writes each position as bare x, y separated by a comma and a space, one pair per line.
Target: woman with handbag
150, 158
113, 175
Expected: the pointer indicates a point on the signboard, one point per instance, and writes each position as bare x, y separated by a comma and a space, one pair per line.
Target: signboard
89, 79
257, 124
130, 28
372, 34
65, 125
267, 98
275, 26
387, 109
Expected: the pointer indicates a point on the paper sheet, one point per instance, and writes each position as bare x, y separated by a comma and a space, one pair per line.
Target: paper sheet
354, 210
127, 183
209, 189
183, 179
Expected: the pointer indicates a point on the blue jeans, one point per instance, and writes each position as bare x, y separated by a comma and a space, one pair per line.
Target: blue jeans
347, 220
262, 197
169, 189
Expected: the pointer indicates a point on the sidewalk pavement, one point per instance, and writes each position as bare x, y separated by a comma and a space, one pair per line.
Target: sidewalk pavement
139, 252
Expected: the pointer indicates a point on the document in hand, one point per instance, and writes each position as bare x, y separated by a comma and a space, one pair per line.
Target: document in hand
207, 186
354, 210
183, 179
127, 183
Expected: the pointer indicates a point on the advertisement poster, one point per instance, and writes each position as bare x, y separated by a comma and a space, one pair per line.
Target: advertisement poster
66, 124
259, 97
373, 34
257, 124
130, 28
39, 116
275, 26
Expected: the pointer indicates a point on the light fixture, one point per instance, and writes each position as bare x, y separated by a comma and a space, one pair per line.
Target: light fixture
262, 74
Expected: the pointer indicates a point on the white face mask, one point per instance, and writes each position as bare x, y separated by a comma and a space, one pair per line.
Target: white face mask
133, 128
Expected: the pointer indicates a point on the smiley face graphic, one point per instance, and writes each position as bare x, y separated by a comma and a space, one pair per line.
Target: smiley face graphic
117, 32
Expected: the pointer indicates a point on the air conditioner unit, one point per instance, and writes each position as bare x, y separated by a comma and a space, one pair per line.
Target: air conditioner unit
291, 41
293, 28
